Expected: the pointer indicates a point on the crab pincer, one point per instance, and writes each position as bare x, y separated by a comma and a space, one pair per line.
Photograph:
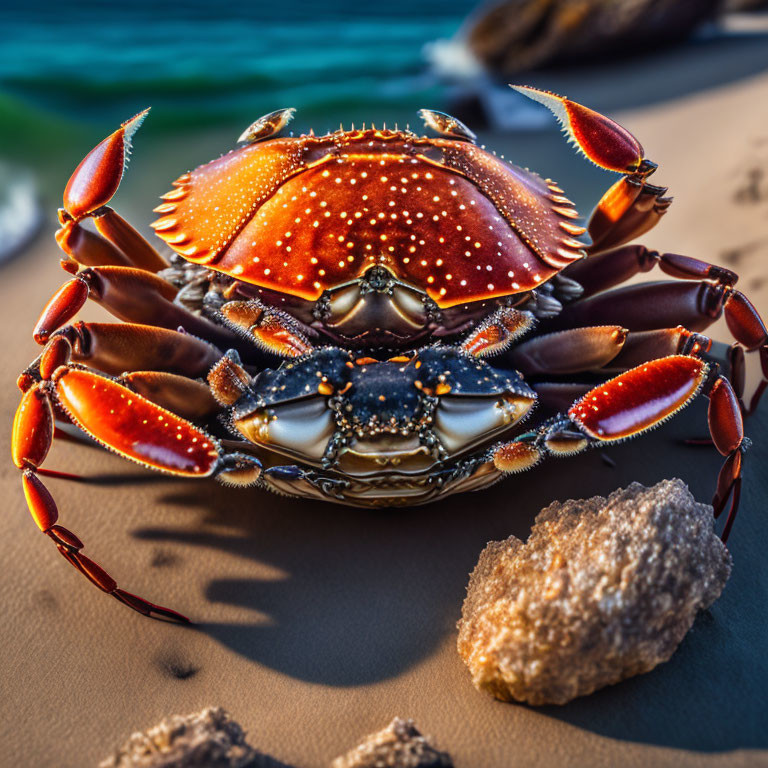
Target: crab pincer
95, 181
602, 140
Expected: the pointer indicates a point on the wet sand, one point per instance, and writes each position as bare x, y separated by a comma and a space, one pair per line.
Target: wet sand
315, 623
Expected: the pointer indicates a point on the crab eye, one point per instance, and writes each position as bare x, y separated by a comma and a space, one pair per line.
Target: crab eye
267, 126
446, 125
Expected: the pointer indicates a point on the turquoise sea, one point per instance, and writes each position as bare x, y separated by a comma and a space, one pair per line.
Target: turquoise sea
208, 62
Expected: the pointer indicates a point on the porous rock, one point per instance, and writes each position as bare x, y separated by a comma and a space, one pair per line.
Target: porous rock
399, 745
207, 739
602, 590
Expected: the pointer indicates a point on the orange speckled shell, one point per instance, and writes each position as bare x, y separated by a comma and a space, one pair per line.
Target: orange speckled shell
303, 215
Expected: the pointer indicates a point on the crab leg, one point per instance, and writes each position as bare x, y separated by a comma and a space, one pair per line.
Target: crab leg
126, 423
631, 206
626, 211
188, 398
157, 363
119, 232
622, 215
695, 305
118, 347
571, 351
88, 248
644, 346
648, 306
609, 269
129, 294
91, 186
631, 403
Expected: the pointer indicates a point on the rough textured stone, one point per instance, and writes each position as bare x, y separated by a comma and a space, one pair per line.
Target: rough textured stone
512, 36
603, 589
207, 739
399, 745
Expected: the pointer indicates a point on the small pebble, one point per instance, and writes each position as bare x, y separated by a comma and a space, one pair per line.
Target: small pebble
399, 745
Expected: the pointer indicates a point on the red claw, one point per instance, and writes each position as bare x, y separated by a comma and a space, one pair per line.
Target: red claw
602, 140
98, 176
639, 399
133, 426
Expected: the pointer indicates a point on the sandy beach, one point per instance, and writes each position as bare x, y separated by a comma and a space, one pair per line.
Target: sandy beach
316, 624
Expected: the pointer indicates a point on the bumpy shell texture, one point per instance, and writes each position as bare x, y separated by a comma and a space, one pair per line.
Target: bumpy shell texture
399, 745
207, 739
603, 589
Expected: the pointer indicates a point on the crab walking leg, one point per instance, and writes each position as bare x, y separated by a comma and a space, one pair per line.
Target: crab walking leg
652, 306
611, 268
695, 304
159, 364
644, 346
571, 351
125, 247
126, 423
604, 349
91, 186
738, 375
88, 248
631, 403
629, 209
115, 348
119, 232
188, 398
129, 294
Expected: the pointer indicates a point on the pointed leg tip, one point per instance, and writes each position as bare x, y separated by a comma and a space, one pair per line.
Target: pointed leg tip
130, 126
602, 141
138, 117
158, 611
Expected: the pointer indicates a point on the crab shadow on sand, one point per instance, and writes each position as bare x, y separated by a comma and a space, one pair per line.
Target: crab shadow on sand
369, 594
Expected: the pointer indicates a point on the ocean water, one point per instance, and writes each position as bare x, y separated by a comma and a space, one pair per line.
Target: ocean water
207, 62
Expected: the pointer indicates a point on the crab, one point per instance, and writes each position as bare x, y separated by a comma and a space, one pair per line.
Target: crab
371, 317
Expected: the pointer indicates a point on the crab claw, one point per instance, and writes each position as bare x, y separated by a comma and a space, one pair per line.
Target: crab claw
98, 176
602, 141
